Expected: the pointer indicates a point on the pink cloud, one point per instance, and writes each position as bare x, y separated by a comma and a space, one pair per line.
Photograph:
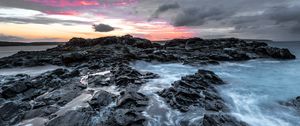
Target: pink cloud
128, 24
77, 3
66, 3
70, 13
159, 30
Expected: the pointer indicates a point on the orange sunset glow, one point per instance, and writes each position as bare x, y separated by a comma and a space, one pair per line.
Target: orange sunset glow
60, 20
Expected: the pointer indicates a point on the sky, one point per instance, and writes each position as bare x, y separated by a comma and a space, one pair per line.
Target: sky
60, 20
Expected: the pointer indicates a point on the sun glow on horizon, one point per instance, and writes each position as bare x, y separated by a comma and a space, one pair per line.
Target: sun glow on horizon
63, 23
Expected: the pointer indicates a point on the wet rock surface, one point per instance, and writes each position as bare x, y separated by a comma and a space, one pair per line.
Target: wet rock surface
99, 87
195, 90
129, 108
221, 120
71, 118
127, 48
199, 90
101, 99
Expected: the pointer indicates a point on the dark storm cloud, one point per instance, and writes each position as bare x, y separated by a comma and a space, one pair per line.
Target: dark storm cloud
24, 5
103, 28
198, 16
10, 38
275, 20
278, 19
286, 16
164, 8
201, 12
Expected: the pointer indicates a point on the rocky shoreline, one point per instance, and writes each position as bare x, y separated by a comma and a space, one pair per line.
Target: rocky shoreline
93, 65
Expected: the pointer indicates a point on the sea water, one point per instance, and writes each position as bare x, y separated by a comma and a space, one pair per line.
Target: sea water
10, 50
254, 90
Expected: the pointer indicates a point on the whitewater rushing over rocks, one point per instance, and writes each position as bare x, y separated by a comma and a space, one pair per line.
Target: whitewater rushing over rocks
116, 81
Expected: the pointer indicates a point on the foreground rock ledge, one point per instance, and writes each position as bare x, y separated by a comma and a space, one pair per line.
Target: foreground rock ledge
99, 63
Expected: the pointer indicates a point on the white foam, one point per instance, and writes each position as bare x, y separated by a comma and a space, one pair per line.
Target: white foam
84, 78
158, 111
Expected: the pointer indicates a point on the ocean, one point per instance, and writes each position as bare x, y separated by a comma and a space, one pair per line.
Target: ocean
253, 91
10, 50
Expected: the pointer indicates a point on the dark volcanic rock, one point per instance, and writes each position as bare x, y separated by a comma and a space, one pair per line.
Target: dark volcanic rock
127, 39
127, 117
123, 75
30, 59
40, 112
74, 57
127, 48
13, 89
12, 112
132, 100
29, 88
49, 91
12, 85
275, 52
101, 99
129, 107
195, 90
199, 90
71, 118
221, 120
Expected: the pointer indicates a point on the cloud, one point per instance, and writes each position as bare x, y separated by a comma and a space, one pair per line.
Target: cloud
103, 28
40, 20
283, 14
164, 8
198, 16
11, 38
275, 19
286, 16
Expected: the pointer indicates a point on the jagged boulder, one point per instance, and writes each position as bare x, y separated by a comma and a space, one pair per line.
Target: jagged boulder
12, 112
275, 52
74, 57
101, 99
132, 99
221, 120
195, 90
129, 117
71, 118
77, 42
40, 112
